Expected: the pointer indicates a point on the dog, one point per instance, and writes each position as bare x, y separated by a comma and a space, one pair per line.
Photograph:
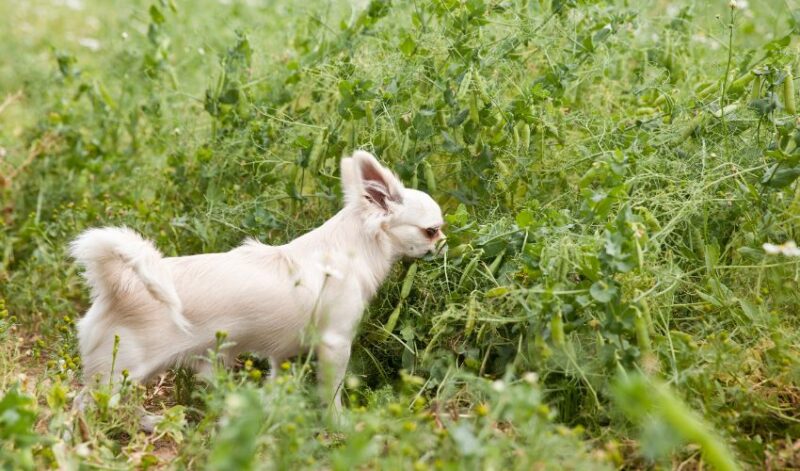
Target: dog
168, 310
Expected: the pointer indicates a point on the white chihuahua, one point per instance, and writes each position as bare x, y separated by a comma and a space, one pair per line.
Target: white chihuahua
167, 311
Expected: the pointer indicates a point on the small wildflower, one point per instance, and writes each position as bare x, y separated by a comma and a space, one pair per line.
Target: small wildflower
788, 248
90, 43
395, 409
530, 377
499, 386
82, 450
353, 382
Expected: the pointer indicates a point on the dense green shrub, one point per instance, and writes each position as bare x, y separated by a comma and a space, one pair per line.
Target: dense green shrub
609, 173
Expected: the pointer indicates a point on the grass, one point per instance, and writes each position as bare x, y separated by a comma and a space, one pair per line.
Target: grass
609, 173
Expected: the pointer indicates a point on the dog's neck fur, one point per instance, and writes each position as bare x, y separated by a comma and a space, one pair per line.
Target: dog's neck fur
373, 252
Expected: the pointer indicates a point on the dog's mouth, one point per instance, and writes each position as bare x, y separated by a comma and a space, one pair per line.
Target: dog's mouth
437, 251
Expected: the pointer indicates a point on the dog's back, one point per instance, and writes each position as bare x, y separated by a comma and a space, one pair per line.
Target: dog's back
261, 296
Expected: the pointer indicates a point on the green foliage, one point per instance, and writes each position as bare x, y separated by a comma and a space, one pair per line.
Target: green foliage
17, 418
669, 420
608, 173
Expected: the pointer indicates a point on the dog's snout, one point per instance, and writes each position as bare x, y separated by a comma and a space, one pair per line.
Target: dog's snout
440, 247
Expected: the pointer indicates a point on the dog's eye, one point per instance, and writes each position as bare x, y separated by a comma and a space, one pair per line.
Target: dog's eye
431, 231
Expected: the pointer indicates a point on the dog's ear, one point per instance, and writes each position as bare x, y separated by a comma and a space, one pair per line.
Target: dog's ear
350, 184
364, 178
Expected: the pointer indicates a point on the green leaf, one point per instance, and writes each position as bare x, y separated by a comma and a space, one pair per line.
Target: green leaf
777, 177
17, 417
459, 218
156, 16
497, 291
408, 46
525, 218
709, 299
603, 292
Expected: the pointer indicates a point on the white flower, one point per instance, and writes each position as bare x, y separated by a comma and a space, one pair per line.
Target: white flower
673, 10
82, 450
76, 5
499, 386
530, 377
89, 43
788, 248
738, 4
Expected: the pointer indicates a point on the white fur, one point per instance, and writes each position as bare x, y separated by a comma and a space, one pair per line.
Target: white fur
275, 301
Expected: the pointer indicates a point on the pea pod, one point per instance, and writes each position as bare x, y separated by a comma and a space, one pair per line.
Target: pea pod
474, 110
107, 99
385, 138
441, 119
738, 86
642, 333
404, 145
370, 115
479, 84
755, 93
702, 86
430, 178
706, 91
468, 270
496, 262
392, 322
645, 310
649, 219
316, 150
696, 122
472, 308
788, 92
458, 250
408, 282
463, 87
525, 131
348, 134
499, 123
661, 100
668, 58
557, 329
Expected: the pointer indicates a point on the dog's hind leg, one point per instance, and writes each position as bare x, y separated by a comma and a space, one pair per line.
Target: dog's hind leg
274, 365
204, 369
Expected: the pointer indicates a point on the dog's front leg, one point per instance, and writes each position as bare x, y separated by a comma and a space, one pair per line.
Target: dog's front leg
333, 352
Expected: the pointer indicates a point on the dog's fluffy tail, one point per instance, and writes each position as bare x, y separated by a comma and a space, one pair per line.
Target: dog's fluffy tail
105, 253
